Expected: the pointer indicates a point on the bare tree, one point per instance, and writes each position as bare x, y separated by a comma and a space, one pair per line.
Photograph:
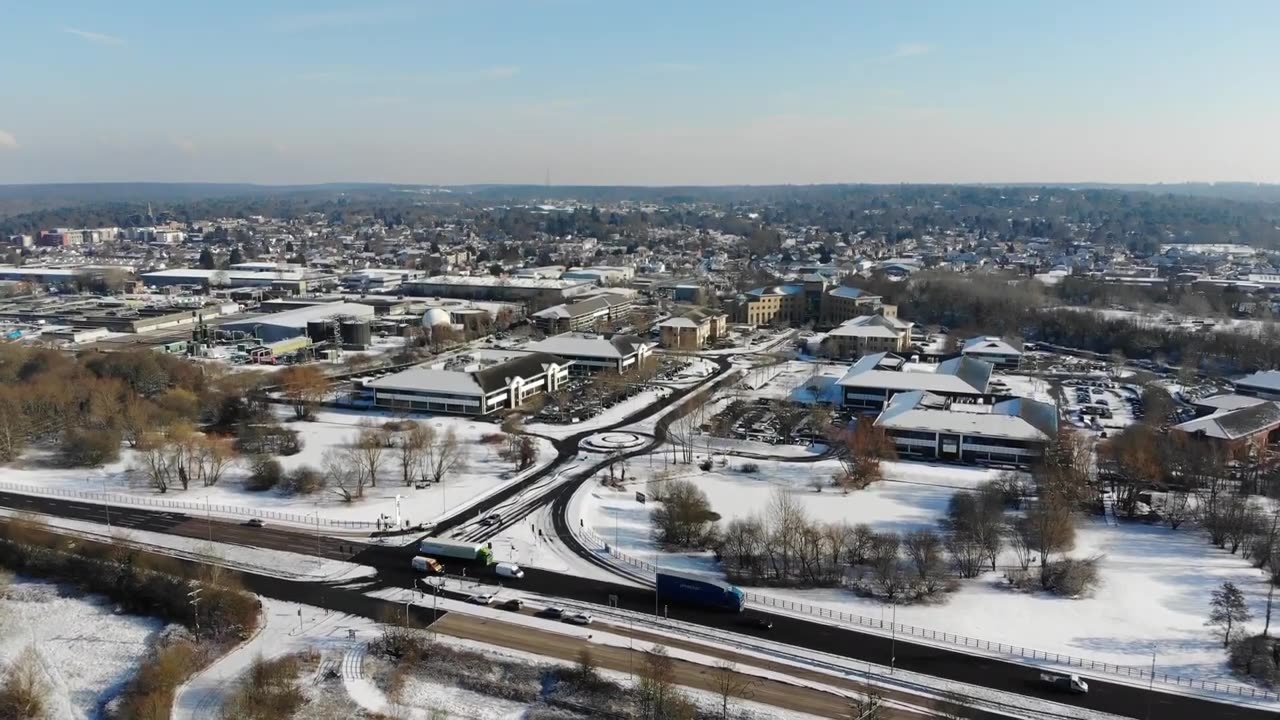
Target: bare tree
860, 451
343, 475
658, 696
924, 549
1021, 540
443, 454
410, 448
1177, 508
304, 386
685, 517
730, 685
24, 693
370, 448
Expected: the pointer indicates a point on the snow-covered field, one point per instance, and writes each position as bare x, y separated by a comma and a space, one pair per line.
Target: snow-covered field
86, 651
483, 473
1245, 326
1154, 594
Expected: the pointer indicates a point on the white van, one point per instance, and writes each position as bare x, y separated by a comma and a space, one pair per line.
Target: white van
510, 570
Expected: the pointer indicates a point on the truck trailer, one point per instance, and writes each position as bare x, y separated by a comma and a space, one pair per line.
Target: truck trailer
675, 587
471, 552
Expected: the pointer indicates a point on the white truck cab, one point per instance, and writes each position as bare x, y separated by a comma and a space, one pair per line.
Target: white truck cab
1065, 682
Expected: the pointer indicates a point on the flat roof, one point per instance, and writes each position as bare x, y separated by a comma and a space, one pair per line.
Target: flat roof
490, 281
909, 411
230, 275
299, 317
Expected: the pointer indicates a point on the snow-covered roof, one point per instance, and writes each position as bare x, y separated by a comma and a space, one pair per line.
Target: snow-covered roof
582, 345
989, 346
1016, 419
844, 291
1263, 379
871, 326
1235, 424
299, 317
776, 290
1228, 401
958, 376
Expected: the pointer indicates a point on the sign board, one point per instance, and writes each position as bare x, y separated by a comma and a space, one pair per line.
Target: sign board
640, 497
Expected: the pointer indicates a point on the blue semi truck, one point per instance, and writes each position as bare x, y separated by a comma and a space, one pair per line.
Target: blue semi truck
679, 588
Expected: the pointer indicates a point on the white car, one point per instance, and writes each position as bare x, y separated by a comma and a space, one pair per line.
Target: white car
481, 599
578, 618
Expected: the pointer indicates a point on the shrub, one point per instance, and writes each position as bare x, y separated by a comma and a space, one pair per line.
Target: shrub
269, 690
749, 468
149, 696
1071, 577
493, 439
1255, 657
89, 448
303, 480
265, 473
23, 693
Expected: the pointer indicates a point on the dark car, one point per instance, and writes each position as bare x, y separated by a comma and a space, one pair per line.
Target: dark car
512, 604
756, 622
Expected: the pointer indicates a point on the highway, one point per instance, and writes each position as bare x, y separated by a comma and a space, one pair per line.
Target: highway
392, 564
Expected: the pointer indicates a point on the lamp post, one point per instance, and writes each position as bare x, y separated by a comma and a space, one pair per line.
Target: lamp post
893, 638
106, 506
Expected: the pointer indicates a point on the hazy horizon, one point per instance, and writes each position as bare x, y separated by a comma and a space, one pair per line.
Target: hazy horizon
655, 94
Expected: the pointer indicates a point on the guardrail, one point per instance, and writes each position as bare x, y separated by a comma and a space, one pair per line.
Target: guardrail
195, 507
590, 538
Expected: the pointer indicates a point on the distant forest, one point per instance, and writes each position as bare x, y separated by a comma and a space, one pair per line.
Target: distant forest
1137, 217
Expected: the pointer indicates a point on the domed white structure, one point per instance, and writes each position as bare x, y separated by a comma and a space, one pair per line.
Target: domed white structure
434, 317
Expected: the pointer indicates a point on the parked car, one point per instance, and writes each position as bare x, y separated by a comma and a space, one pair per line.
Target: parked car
578, 618
481, 599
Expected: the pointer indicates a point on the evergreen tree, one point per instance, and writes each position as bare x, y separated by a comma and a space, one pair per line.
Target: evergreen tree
1227, 608
236, 257
206, 261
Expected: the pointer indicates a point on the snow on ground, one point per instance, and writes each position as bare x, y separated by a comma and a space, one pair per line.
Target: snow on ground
1154, 594
286, 628
913, 495
86, 651
1167, 318
273, 562
802, 382
483, 474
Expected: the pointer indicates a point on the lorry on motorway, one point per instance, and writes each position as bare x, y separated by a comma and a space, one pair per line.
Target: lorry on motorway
1065, 682
471, 552
427, 565
676, 587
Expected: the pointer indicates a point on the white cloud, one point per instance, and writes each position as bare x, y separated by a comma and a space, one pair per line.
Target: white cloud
8, 141
93, 37
912, 49
500, 72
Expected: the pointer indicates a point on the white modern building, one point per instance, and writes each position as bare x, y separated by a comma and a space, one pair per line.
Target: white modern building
592, 353
474, 389
994, 350
1263, 384
925, 425
870, 384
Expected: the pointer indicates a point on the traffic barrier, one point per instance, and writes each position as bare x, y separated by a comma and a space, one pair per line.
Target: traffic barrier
182, 505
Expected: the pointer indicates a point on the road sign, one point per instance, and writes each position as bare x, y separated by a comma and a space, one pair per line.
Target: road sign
640, 497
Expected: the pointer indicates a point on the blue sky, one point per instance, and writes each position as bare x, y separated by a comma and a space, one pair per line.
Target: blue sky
654, 92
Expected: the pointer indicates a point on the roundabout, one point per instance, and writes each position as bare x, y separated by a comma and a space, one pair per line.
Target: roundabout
615, 441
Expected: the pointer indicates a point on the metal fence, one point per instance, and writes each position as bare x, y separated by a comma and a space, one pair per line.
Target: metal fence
590, 539
184, 506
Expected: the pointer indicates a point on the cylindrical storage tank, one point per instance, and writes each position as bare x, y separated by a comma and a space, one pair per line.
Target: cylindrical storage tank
320, 330
356, 333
